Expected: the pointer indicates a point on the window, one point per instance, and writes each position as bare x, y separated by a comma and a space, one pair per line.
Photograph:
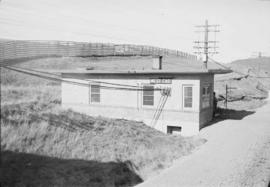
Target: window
204, 91
206, 96
148, 95
188, 96
174, 129
95, 93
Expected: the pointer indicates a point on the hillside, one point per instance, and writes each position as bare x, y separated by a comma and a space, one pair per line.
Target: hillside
250, 83
257, 67
262, 64
18, 49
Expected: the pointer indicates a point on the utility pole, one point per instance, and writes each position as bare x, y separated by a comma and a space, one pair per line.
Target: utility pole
227, 90
226, 96
205, 45
258, 54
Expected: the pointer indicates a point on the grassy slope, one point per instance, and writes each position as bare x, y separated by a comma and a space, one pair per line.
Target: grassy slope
33, 122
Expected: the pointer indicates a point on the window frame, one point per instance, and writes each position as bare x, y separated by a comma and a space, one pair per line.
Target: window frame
91, 94
183, 97
149, 85
174, 129
206, 95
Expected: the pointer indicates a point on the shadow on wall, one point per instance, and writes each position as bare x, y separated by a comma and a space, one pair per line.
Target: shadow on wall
229, 114
23, 169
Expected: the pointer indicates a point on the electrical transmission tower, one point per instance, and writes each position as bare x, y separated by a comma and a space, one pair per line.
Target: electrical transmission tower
206, 47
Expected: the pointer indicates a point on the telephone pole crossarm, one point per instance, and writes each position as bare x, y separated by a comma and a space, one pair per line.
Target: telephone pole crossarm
205, 49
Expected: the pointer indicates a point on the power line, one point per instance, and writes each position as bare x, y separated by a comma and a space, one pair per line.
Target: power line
59, 79
162, 102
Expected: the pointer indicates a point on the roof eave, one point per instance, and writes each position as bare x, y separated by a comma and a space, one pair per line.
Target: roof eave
220, 71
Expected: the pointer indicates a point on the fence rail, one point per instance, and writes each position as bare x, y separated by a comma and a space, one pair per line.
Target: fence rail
15, 49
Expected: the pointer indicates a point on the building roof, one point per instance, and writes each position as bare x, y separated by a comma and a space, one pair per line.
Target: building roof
144, 72
143, 66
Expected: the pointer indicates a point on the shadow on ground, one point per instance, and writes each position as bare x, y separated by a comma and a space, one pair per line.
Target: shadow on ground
229, 114
23, 169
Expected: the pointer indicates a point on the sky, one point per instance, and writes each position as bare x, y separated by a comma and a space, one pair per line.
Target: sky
244, 24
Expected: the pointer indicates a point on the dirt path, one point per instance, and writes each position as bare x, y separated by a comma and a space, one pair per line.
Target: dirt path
237, 153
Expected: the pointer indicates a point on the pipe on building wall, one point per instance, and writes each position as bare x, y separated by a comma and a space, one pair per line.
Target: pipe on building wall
157, 63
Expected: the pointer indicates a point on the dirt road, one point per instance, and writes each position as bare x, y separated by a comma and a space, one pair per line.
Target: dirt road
237, 153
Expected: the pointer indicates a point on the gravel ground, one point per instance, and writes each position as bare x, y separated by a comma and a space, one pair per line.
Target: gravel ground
237, 153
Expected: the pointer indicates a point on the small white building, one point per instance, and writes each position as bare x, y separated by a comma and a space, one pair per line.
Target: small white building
170, 100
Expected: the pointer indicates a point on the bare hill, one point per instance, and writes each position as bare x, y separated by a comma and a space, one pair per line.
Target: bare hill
255, 67
250, 81
261, 65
